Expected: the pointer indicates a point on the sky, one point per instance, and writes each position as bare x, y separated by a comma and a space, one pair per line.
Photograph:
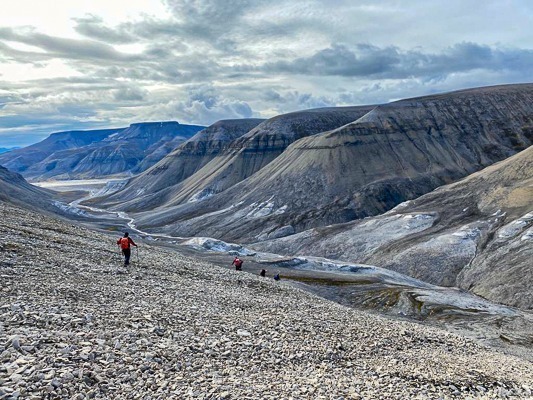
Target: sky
77, 64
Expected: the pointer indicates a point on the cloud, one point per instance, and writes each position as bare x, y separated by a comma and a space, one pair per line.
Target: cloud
206, 105
130, 94
293, 100
366, 60
7, 53
93, 27
56, 47
203, 60
210, 20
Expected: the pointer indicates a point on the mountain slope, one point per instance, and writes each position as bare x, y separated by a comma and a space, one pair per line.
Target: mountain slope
476, 234
20, 160
186, 159
173, 327
15, 190
97, 154
396, 152
6, 149
247, 155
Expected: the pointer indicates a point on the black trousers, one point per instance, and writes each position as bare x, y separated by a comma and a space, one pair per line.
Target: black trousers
127, 254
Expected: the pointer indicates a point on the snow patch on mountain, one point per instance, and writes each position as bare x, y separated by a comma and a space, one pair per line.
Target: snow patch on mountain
211, 244
515, 227
265, 208
201, 195
68, 208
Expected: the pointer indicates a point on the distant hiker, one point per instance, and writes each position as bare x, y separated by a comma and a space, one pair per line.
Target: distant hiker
238, 264
276, 277
263, 273
124, 243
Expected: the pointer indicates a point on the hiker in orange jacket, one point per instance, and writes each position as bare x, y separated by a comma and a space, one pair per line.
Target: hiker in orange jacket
124, 243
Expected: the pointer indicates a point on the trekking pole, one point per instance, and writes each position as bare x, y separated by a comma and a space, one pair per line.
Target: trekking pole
137, 251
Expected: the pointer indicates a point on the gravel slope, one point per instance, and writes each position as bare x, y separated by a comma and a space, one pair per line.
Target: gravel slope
74, 324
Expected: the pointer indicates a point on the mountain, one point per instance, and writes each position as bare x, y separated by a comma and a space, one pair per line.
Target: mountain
237, 160
393, 153
186, 159
94, 154
15, 190
6, 149
476, 234
20, 160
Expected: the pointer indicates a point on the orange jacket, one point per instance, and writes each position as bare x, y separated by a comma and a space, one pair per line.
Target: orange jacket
125, 244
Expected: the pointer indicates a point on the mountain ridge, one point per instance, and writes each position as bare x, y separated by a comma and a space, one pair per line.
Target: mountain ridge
98, 153
476, 233
187, 158
243, 156
393, 153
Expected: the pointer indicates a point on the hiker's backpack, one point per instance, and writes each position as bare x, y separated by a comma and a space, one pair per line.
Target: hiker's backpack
124, 243
238, 263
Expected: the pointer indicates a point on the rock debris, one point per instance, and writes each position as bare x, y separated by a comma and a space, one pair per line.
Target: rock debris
74, 324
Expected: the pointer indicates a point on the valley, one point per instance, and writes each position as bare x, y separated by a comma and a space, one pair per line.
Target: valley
266, 200
175, 326
360, 286
411, 219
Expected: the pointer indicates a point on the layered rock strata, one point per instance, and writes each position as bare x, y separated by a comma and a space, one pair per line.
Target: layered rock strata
394, 153
97, 154
476, 234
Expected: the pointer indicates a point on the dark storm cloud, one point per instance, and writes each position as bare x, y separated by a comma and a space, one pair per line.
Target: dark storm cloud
393, 63
339, 60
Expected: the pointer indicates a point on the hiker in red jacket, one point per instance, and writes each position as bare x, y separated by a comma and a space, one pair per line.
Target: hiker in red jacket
124, 243
238, 264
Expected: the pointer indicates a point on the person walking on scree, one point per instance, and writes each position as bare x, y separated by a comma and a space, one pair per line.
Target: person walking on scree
238, 264
124, 243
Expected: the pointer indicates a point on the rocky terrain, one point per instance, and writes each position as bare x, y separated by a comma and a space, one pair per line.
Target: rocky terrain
476, 234
94, 154
393, 153
239, 159
76, 325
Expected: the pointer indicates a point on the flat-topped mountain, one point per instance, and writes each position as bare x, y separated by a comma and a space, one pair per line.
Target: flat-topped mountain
20, 160
102, 153
476, 234
187, 158
238, 159
393, 153
6, 149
